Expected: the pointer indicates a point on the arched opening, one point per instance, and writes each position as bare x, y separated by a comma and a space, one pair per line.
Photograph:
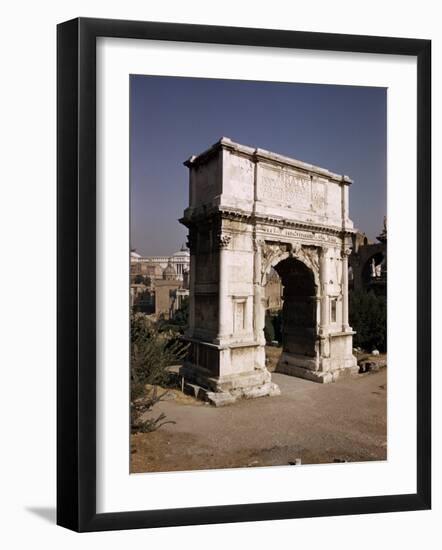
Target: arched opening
299, 307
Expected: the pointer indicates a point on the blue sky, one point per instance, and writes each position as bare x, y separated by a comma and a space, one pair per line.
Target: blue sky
342, 128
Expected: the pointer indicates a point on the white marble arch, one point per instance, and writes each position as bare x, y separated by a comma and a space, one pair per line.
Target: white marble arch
249, 210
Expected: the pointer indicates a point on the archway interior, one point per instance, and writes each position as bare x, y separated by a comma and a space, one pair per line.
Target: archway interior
299, 307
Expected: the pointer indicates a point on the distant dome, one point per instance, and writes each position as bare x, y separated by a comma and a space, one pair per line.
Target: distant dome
169, 273
183, 252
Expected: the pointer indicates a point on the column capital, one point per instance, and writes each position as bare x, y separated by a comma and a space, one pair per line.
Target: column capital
222, 240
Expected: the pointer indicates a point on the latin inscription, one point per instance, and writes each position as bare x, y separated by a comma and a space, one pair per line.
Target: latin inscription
293, 190
305, 235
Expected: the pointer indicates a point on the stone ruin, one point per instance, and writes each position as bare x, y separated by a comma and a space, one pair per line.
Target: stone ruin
249, 211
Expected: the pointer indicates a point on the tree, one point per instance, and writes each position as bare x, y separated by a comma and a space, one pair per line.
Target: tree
151, 353
368, 317
181, 316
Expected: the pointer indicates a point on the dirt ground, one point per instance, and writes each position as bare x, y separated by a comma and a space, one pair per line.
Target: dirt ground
317, 423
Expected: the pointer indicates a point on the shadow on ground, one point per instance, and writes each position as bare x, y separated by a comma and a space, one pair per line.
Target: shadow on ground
47, 513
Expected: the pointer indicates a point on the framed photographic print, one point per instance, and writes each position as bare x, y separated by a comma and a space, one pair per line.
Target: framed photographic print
226, 201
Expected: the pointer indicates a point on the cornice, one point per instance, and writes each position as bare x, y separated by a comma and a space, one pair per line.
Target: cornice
251, 218
257, 155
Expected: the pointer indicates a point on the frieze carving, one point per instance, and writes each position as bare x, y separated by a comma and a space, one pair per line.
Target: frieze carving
309, 256
279, 226
270, 252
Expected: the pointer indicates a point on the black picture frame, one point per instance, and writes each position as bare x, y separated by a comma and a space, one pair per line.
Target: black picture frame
76, 272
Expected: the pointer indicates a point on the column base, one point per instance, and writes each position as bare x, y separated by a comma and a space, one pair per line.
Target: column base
317, 369
225, 390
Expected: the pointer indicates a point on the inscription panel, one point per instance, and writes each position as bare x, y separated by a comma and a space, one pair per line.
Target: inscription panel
286, 188
239, 316
296, 234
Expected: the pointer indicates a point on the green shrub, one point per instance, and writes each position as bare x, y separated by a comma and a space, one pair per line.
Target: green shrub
181, 317
151, 353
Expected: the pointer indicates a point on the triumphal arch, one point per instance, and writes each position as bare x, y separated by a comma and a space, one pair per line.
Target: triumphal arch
249, 211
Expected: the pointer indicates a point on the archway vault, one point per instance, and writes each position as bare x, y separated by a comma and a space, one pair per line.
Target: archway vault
299, 311
251, 210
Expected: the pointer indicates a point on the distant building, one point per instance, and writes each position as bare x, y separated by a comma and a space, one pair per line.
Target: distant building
165, 284
169, 292
368, 263
153, 266
142, 298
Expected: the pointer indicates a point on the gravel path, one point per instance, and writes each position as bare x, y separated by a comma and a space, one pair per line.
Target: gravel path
317, 423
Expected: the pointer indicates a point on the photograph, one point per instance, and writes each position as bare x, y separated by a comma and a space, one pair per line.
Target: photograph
258, 274
225, 352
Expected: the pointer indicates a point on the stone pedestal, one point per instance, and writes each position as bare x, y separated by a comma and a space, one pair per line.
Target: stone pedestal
336, 360
226, 374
